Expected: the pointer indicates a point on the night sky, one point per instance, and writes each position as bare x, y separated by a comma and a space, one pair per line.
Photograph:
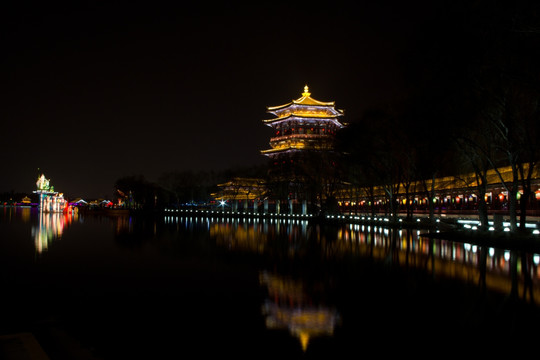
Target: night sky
93, 92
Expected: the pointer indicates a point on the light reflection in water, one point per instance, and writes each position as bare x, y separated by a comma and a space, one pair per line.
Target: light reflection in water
498, 270
50, 227
256, 235
289, 307
122, 224
488, 267
25, 214
17, 212
245, 236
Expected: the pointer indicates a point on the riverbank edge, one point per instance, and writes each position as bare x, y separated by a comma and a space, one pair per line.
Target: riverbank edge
444, 229
448, 229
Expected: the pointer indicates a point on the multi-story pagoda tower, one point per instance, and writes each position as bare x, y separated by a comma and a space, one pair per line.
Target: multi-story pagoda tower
303, 124
302, 156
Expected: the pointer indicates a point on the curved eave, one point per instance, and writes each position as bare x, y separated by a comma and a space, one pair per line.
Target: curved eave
332, 118
281, 150
304, 100
243, 182
314, 117
308, 100
272, 108
298, 110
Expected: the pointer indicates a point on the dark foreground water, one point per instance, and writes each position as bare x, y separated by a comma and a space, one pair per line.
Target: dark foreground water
167, 287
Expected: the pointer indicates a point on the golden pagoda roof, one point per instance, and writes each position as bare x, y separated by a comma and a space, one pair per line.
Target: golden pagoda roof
243, 181
305, 116
306, 99
283, 148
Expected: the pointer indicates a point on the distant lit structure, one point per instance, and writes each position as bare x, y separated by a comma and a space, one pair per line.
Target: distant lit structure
49, 200
302, 124
303, 162
450, 194
241, 189
249, 191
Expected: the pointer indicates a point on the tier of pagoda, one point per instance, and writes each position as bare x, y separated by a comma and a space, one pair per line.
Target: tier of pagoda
303, 124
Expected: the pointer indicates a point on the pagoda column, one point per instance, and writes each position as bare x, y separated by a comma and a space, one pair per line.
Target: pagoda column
265, 206
304, 207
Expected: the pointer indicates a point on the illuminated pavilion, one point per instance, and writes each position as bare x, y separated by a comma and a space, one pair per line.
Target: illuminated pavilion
49, 200
239, 189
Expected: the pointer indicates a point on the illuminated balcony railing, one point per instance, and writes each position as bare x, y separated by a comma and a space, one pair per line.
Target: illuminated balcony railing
310, 137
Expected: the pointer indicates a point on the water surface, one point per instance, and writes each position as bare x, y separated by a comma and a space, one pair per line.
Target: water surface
161, 287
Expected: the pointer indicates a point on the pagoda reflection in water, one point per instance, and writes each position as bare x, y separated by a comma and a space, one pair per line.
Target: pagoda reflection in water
289, 307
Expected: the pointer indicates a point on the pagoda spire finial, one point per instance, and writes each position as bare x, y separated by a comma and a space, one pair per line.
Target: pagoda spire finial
306, 91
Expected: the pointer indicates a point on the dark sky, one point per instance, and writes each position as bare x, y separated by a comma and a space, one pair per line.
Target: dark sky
91, 92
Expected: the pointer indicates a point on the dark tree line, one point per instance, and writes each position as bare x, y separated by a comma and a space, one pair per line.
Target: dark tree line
473, 106
177, 188
12, 197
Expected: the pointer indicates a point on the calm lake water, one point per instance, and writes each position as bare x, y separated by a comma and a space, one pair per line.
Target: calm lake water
90, 286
